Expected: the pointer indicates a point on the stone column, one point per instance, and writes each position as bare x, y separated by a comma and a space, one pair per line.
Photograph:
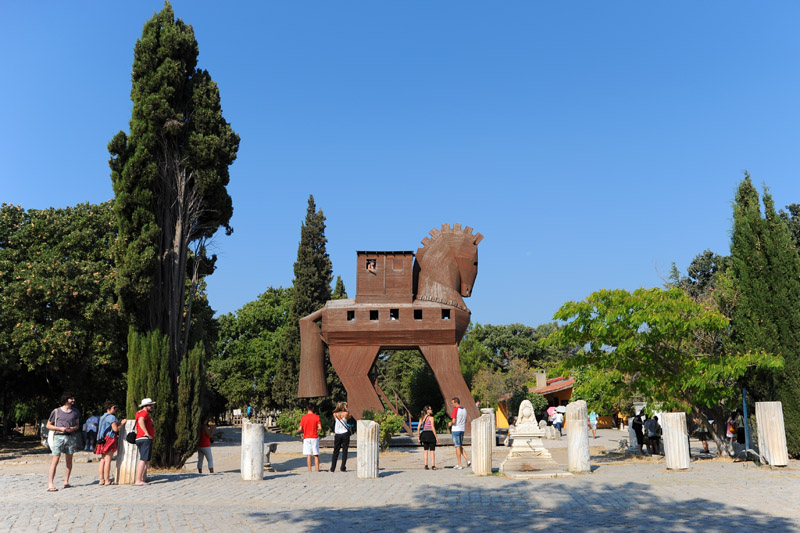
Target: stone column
493, 416
252, 451
633, 444
482, 438
127, 456
772, 433
577, 437
367, 448
675, 437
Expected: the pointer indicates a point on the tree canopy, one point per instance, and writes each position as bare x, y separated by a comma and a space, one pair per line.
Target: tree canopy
658, 344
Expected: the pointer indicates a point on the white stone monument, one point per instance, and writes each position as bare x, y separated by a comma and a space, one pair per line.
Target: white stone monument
528, 457
367, 448
772, 433
633, 444
676, 441
577, 437
252, 451
127, 456
482, 438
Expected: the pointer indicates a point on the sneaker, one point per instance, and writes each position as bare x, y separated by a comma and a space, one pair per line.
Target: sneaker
469, 463
458, 467
426, 467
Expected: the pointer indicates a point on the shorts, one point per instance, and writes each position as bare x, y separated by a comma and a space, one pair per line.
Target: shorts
64, 443
593, 425
145, 446
428, 440
458, 438
311, 446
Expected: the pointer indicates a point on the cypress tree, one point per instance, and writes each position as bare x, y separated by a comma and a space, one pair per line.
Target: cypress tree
766, 314
339, 292
313, 274
170, 176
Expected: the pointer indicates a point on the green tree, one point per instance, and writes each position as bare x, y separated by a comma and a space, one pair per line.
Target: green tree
60, 327
169, 176
766, 314
660, 345
507, 342
701, 276
339, 292
313, 273
249, 348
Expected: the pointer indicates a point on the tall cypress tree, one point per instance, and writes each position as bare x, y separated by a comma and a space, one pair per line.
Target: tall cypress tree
766, 315
169, 176
313, 274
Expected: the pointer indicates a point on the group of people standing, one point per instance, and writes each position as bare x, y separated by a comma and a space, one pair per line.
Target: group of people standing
64, 422
311, 426
648, 432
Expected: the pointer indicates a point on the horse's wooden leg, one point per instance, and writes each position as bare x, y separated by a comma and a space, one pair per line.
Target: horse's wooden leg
311, 382
443, 360
352, 364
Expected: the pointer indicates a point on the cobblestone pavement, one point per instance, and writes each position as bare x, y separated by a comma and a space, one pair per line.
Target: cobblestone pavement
620, 494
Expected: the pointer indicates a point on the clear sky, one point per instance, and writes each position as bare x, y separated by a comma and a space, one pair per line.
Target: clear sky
592, 143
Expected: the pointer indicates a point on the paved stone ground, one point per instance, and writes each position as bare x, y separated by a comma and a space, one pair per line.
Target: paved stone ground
621, 494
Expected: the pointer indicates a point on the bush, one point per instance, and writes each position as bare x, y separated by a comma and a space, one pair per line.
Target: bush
289, 421
389, 422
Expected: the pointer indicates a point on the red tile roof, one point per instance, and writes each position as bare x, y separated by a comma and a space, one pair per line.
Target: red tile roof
554, 385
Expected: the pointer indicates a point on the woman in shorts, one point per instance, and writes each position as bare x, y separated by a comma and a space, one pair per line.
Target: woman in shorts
107, 430
426, 434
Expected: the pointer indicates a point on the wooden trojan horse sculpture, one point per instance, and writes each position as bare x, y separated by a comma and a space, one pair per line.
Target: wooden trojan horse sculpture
400, 304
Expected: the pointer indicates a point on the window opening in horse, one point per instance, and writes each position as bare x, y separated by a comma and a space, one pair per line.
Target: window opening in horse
372, 265
373, 314
445, 314
351, 315
417, 314
394, 314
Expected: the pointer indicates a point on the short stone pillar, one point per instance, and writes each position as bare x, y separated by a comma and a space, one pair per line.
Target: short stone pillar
482, 438
491, 412
127, 456
252, 451
676, 441
577, 437
633, 444
772, 433
367, 448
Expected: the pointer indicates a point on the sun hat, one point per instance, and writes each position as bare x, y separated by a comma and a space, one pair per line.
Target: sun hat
147, 401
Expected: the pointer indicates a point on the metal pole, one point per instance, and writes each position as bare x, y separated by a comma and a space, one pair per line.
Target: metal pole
746, 425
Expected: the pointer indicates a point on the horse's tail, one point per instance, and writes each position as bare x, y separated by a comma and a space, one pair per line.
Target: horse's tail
312, 359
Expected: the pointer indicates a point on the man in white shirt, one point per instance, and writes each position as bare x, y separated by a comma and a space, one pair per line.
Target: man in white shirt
458, 423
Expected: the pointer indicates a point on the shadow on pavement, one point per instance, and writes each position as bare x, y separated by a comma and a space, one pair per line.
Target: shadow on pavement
632, 506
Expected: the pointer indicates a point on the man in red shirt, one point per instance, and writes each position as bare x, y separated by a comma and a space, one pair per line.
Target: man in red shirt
310, 427
144, 439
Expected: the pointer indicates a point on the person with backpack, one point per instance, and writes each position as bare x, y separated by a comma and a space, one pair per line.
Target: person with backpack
107, 441
341, 435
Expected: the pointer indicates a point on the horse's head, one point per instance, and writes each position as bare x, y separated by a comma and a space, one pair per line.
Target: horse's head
450, 259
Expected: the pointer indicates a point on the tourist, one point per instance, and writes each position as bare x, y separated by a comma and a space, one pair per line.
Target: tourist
341, 435
730, 429
638, 427
108, 427
593, 424
310, 426
204, 447
511, 422
701, 434
145, 433
91, 432
426, 435
653, 435
64, 421
458, 423
558, 422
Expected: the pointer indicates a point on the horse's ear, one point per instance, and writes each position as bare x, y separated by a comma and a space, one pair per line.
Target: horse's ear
478, 238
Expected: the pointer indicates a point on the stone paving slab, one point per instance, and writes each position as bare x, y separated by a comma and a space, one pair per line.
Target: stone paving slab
619, 495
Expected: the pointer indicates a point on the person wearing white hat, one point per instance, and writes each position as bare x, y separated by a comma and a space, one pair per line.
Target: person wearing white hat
145, 433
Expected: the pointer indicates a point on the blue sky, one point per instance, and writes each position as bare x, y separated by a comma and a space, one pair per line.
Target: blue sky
592, 143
